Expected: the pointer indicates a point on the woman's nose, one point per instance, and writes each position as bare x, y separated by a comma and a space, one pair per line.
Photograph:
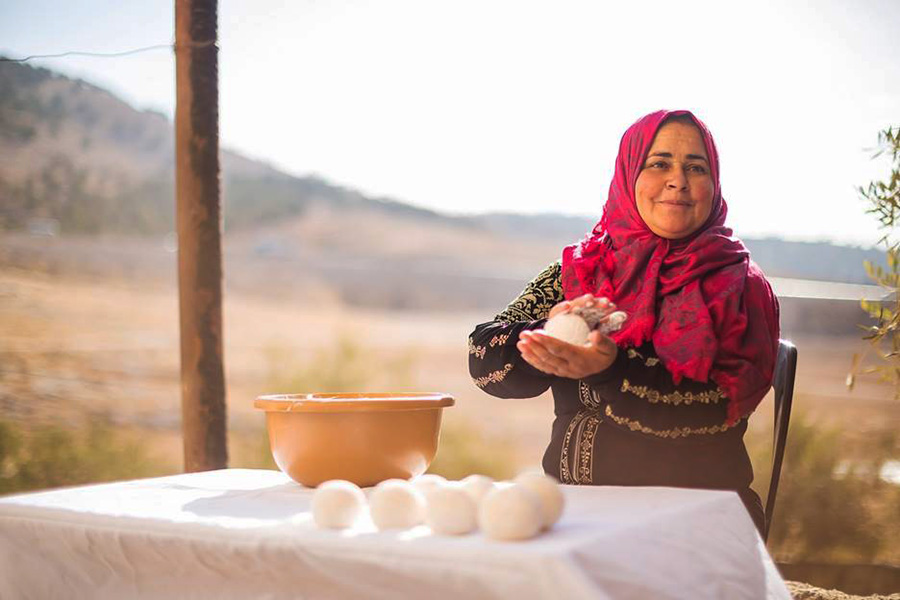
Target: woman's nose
677, 180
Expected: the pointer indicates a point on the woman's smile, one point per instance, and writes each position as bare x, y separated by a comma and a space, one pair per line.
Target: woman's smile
674, 189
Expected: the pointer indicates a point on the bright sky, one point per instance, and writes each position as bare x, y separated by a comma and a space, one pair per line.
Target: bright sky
514, 105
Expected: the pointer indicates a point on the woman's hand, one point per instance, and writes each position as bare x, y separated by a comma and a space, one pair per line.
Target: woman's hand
562, 359
581, 301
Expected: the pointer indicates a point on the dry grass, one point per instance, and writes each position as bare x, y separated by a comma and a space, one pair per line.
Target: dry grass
73, 347
804, 591
77, 344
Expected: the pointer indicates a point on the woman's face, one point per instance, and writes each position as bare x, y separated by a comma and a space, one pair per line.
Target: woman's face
674, 190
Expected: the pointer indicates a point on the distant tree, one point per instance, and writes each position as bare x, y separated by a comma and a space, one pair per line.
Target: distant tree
883, 199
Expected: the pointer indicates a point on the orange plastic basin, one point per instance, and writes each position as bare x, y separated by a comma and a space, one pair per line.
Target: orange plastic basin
363, 438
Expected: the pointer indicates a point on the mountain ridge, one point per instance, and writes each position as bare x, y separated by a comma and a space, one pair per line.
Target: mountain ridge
75, 153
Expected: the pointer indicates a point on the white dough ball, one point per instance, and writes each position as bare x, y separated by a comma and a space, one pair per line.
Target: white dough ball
568, 328
428, 481
396, 504
510, 513
450, 510
547, 490
337, 504
477, 486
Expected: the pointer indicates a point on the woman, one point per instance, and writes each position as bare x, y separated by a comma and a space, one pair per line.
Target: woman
665, 400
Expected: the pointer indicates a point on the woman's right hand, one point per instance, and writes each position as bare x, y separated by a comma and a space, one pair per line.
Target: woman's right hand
562, 359
556, 357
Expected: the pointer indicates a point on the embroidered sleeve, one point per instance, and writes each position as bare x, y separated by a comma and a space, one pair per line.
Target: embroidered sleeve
538, 297
495, 364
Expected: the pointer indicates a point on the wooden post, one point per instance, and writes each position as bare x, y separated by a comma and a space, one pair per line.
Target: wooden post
199, 223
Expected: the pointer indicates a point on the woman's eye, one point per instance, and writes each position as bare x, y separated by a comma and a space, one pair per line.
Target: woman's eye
659, 164
697, 169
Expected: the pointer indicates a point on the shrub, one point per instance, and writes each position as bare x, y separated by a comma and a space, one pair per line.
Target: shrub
831, 508
47, 456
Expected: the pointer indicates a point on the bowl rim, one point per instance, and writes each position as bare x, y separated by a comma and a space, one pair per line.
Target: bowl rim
353, 401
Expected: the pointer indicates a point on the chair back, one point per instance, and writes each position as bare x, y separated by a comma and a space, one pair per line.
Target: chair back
785, 370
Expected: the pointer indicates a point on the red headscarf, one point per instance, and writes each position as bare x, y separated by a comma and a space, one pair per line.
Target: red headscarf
707, 308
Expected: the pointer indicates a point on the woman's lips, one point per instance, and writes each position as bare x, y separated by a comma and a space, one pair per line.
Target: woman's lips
676, 202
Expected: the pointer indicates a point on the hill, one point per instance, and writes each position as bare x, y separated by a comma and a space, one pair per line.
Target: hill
74, 153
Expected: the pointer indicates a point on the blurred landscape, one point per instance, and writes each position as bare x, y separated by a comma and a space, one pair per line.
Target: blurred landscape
330, 290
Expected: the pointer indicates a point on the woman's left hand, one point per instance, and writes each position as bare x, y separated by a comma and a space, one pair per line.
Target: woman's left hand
562, 359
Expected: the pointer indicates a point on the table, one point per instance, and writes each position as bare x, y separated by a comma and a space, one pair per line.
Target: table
241, 533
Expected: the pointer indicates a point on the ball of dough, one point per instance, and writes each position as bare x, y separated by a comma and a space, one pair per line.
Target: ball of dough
396, 504
337, 504
547, 490
477, 486
568, 328
428, 481
450, 510
510, 513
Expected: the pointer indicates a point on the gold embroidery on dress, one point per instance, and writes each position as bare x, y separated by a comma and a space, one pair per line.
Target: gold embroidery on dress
583, 427
675, 433
653, 396
513, 314
499, 340
650, 362
538, 297
585, 468
589, 397
494, 376
478, 351
564, 474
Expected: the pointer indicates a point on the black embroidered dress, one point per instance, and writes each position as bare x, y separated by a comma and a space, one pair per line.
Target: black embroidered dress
630, 424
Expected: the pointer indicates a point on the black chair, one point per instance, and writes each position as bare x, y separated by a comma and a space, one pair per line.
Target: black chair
785, 369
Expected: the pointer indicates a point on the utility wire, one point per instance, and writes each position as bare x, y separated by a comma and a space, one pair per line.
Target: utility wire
111, 54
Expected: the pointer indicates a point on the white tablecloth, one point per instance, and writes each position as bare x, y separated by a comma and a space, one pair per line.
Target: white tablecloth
241, 533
